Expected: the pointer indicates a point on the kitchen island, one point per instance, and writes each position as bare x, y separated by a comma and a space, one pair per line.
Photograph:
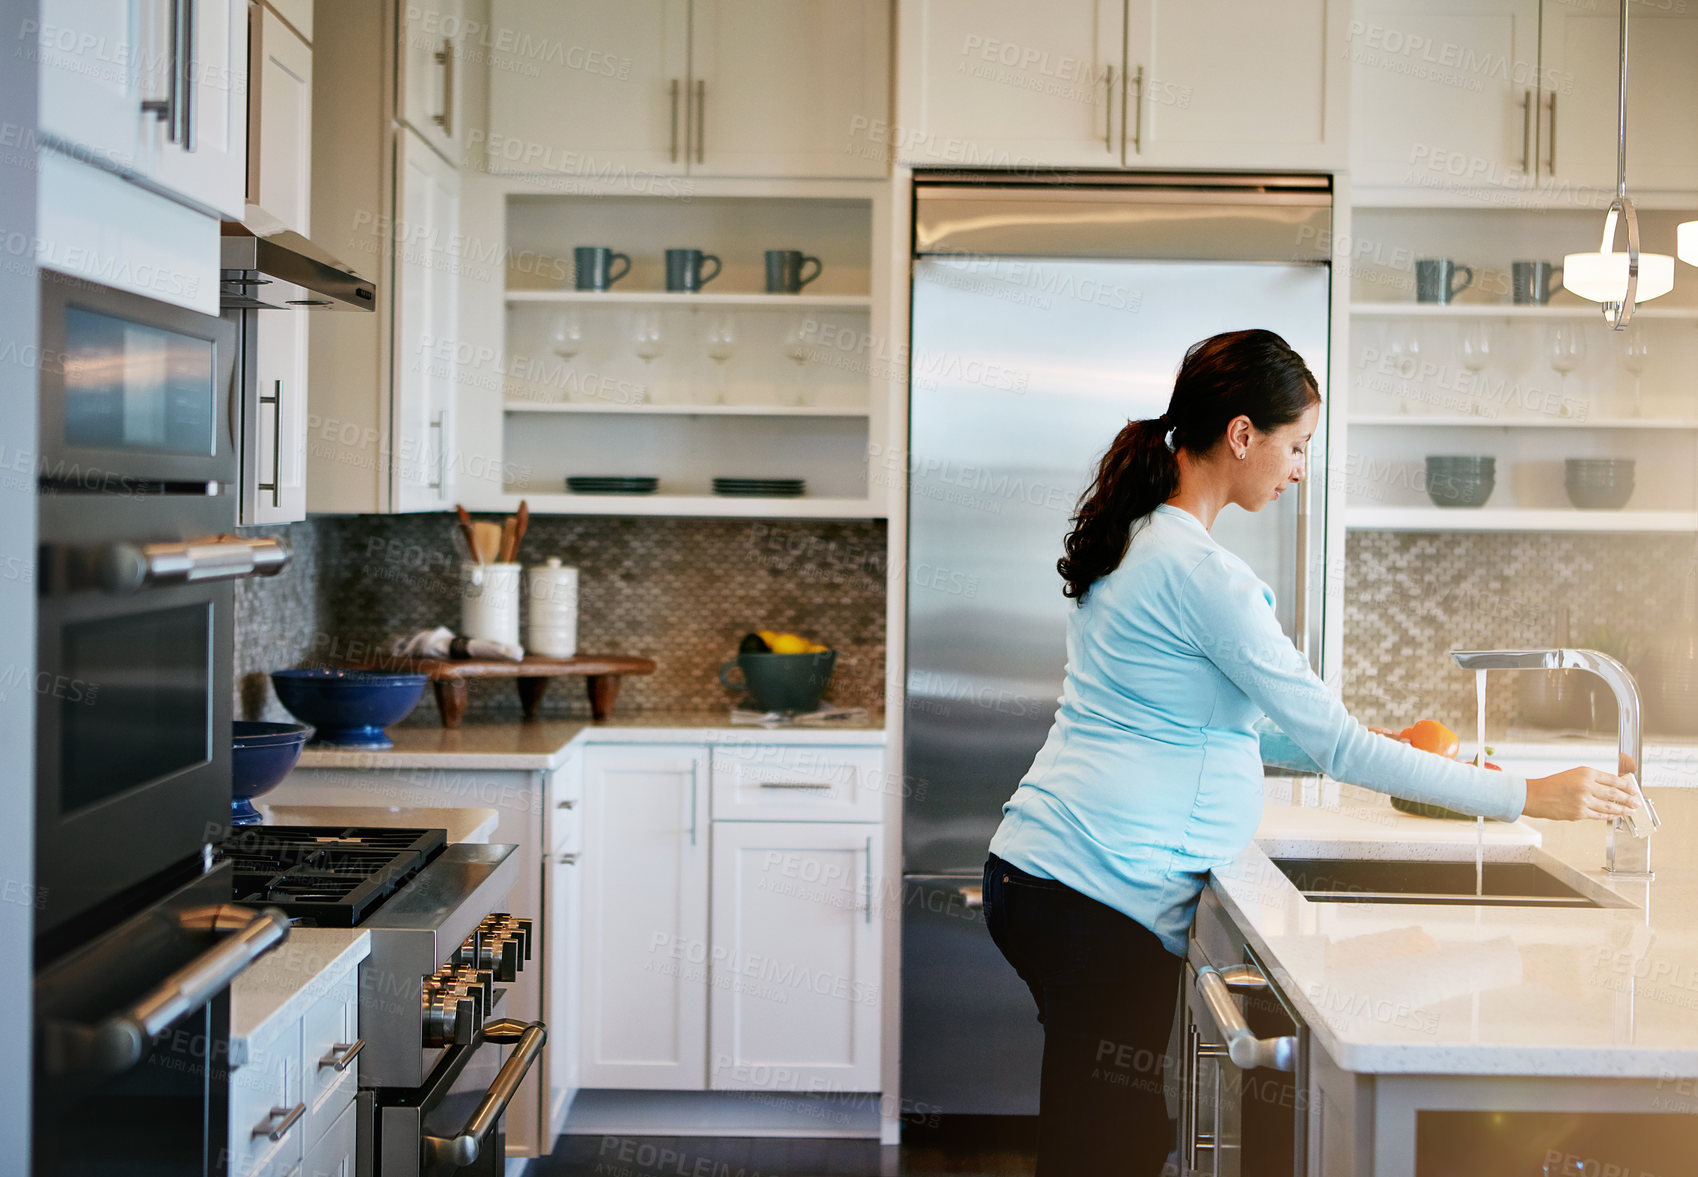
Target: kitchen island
1499, 1034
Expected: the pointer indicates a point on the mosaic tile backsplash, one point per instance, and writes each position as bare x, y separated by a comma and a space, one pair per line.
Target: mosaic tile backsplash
682, 591
1412, 597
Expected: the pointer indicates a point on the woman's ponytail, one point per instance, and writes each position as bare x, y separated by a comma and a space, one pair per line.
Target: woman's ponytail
1135, 476
1252, 374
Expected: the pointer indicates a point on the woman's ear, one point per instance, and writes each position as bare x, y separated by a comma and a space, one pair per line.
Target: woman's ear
1240, 431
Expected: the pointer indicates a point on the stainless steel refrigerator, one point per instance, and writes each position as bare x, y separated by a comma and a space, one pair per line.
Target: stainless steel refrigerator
1044, 317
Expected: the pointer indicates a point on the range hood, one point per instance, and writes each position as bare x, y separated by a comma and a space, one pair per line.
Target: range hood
277, 271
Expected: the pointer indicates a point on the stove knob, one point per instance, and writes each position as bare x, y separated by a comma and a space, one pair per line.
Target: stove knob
480, 982
494, 950
450, 1018
519, 929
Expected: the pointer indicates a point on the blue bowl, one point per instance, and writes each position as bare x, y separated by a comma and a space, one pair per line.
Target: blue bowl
261, 755
350, 708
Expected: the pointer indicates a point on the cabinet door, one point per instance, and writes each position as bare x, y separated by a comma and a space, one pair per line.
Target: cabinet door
1581, 69
209, 162
274, 442
429, 61
1444, 93
90, 95
591, 89
563, 909
333, 1155
426, 227
645, 903
796, 980
1009, 83
787, 87
1227, 83
279, 126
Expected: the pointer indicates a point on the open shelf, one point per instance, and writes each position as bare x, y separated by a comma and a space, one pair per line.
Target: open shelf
1514, 519
687, 410
1435, 420
706, 505
1475, 310
724, 300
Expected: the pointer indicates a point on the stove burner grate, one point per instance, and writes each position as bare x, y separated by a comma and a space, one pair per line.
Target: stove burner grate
331, 876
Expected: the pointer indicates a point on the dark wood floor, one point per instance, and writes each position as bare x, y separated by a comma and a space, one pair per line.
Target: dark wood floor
980, 1148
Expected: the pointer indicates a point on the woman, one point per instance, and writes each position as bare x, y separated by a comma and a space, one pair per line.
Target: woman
1152, 772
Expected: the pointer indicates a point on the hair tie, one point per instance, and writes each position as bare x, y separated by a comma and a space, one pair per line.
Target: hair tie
1165, 422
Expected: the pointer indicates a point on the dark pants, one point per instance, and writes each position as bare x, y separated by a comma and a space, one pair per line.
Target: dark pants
1106, 991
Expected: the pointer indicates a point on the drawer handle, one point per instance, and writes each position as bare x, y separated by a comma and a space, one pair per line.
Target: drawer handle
290, 1117
796, 784
567, 804
342, 1055
566, 859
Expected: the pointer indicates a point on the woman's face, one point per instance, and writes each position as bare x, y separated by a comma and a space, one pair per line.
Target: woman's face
1272, 461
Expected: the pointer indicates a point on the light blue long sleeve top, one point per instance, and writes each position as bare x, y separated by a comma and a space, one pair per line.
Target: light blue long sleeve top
1152, 772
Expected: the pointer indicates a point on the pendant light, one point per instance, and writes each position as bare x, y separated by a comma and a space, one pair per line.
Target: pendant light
1620, 280
1686, 242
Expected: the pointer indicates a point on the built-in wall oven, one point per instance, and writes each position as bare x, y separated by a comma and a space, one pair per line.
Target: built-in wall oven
136, 939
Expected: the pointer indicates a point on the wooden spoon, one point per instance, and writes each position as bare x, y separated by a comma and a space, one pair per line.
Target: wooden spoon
524, 524
509, 538
488, 545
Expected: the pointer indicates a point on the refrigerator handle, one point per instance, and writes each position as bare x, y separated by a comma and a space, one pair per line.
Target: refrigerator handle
1300, 607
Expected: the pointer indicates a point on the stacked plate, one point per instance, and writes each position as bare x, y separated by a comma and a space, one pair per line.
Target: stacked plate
612, 484
765, 488
1598, 484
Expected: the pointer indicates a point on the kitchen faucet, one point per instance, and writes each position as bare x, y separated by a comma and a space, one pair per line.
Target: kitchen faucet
1627, 844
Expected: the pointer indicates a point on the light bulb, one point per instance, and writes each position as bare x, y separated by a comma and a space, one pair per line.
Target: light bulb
1686, 242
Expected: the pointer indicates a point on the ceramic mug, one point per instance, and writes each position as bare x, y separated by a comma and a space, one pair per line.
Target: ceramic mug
1435, 279
593, 266
784, 270
684, 270
1531, 283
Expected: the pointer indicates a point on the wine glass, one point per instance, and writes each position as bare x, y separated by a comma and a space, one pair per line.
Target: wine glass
1477, 345
567, 338
1568, 348
1635, 348
647, 341
1403, 349
721, 345
797, 349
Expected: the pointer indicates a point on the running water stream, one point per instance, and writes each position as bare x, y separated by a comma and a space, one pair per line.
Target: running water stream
1480, 760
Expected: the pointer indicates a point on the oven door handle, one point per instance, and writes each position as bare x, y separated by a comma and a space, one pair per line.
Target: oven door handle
126, 568
462, 1149
120, 1041
1246, 1050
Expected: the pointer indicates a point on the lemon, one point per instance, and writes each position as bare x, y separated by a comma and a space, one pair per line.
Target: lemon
788, 643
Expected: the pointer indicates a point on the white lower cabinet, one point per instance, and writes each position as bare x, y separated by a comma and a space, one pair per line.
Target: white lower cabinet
795, 974
333, 1155
644, 1011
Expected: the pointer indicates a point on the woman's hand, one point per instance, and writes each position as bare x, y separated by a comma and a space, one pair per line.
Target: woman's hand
1579, 794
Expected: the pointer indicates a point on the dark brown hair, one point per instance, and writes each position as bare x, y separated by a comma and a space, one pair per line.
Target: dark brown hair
1252, 374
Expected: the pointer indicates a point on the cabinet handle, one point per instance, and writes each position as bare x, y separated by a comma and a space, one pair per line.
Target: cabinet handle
1551, 162
1137, 127
869, 913
674, 149
1247, 1051
566, 804
170, 109
291, 1116
701, 118
275, 486
441, 449
185, 64
1108, 110
566, 859
342, 1055
1526, 128
445, 58
795, 784
692, 807
1190, 1115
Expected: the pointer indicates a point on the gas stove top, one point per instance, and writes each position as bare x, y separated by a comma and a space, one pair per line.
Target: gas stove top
328, 876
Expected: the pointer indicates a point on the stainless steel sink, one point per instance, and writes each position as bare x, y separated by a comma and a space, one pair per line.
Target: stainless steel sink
1358, 880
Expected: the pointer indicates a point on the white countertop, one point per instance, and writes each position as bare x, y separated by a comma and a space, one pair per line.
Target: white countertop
1466, 989
280, 985
463, 825
544, 744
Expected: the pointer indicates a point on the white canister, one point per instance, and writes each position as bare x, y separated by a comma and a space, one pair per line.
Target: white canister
489, 602
552, 629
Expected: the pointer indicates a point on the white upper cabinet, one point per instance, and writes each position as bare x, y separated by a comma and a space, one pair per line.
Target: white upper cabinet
207, 159
87, 98
606, 88
785, 87
425, 289
157, 90
1581, 59
274, 441
1445, 92
428, 85
1119, 83
621, 68
1009, 83
1230, 83
279, 126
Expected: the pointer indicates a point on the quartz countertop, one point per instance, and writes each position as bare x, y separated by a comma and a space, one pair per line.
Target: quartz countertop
1670, 761
544, 744
280, 986
463, 825
1473, 989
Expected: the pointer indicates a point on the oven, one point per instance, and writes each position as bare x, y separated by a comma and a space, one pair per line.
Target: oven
1244, 1084
136, 471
